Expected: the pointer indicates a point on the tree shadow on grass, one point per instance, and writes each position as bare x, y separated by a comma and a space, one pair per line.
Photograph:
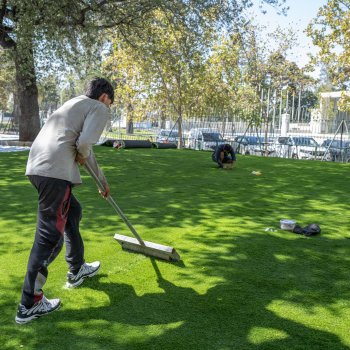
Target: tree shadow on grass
160, 191
254, 307
260, 273
181, 189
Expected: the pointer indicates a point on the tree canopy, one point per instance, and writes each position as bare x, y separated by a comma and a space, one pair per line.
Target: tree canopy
43, 33
330, 31
219, 74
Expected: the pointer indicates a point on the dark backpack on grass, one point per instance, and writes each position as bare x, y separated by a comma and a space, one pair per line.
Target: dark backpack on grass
309, 230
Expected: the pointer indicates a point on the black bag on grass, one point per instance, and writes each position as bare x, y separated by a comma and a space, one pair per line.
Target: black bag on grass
309, 230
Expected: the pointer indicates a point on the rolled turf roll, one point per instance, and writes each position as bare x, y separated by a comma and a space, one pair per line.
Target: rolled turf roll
164, 145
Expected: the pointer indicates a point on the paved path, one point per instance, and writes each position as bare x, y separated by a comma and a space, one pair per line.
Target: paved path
7, 137
13, 148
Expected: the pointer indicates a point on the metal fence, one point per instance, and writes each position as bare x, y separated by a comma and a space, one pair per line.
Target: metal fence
300, 134
8, 124
318, 138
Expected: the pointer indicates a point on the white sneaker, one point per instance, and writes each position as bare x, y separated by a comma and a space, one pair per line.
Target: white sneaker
40, 308
86, 270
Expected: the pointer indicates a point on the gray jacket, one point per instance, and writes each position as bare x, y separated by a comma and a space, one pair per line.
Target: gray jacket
74, 127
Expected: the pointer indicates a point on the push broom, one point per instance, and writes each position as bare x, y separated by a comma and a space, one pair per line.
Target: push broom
136, 244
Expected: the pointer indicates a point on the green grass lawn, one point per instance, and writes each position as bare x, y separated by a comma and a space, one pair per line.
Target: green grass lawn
237, 285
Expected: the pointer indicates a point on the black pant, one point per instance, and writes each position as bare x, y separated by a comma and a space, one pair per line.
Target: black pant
216, 160
59, 214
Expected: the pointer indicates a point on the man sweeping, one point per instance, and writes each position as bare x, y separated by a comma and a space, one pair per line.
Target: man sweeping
224, 156
64, 143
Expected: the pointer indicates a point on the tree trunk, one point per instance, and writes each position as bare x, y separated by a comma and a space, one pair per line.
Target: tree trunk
162, 120
16, 113
180, 142
129, 126
29, 121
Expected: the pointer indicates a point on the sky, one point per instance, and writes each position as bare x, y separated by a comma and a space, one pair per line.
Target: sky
299, 15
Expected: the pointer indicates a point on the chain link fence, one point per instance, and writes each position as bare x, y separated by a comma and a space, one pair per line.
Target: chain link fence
294, 131
310, 137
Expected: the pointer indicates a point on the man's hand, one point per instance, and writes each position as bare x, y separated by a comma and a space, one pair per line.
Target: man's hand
80, 159
106, 191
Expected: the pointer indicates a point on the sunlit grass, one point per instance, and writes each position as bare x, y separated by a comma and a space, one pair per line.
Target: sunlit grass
237, 286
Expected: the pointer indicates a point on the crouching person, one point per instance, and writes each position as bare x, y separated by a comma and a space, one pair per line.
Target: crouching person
224, 155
